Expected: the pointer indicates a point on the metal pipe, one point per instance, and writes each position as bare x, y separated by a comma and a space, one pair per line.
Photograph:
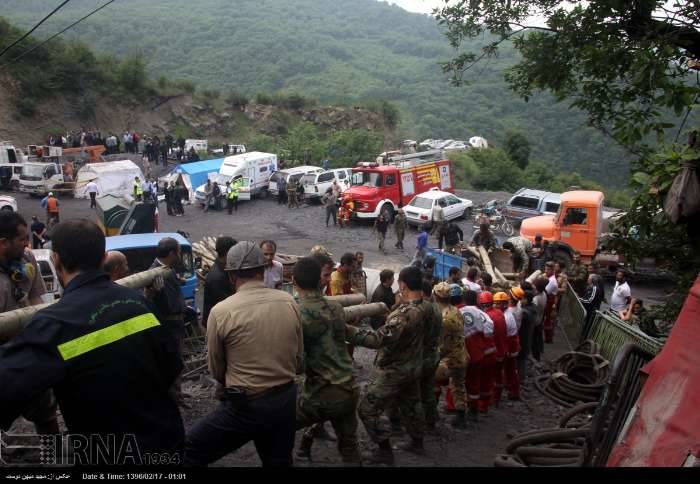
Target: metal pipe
348, 299
13, 322
366, 310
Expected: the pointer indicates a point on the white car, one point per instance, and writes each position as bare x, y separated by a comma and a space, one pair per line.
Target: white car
420, 209
293, 173
48, 273
8, 203
316, 184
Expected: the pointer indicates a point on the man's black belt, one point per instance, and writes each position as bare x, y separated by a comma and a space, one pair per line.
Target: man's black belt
173, 317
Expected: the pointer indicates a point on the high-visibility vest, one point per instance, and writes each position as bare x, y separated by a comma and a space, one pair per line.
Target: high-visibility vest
137, 188
233, 191
52, 205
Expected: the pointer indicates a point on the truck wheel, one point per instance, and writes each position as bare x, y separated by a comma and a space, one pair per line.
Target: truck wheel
6, 208
14, 185
388, 212
563, 257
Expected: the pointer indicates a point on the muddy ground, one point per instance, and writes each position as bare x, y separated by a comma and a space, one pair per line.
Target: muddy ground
296, 231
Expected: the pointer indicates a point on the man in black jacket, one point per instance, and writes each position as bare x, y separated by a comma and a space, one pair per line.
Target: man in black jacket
106, 356
217, 285
452, 235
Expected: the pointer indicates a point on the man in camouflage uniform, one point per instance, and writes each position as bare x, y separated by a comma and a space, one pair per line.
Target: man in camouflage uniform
400, 228
432, 325
292, 194
578, 275
453, 354
520, 249
485, 238
398, 369
329, 391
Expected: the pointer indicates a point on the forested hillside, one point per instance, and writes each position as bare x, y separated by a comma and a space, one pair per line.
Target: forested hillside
335, 51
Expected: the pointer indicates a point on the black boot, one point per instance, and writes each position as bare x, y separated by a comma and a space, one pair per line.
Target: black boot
304, 451
473, 414
459, 422
382, 455
415, 446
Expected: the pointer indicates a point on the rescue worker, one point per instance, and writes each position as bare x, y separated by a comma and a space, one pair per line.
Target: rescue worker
216, 195
513, 316
104, 353
329, 391
452, 235
138, 190
167, 298
489, 362
470, 281
496, 311
384, 293
116, 265
578, 275
454, 276
208, 194
52, 215
475, 321
232, 193
345, 211
292, 201
217, 285
453, 354
256, 349
520, 249
528, 323
21, 285
381, 225
396, 374
323, 257
400, 227
358, 277
485, 238
431, 354
274, 270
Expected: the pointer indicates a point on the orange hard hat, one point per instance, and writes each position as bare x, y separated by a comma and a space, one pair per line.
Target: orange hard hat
500, 297
485, 297
517, 293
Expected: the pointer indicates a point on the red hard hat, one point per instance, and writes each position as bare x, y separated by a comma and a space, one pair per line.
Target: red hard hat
485, 297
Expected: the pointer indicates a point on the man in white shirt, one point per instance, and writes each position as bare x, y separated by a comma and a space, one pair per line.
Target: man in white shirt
146, 188
470, 281
438, 217
552, 290
92, 190
274, 271
622, 294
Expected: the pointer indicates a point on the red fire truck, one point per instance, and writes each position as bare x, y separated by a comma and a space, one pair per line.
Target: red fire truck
381, 187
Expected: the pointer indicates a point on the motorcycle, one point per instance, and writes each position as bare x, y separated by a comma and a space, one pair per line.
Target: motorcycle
491, 213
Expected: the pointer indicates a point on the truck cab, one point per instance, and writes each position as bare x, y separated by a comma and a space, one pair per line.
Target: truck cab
41, 178
140, 251
577, 225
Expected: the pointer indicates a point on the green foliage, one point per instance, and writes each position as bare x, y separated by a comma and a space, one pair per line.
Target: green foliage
389, 111
211, 94
465, 169
186, 85
131, 74
334, 52
236, 99
518, 148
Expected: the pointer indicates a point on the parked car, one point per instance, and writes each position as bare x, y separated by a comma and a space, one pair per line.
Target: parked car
528, 203
8, 203
293, 173
48, 274
316, 184
420, 208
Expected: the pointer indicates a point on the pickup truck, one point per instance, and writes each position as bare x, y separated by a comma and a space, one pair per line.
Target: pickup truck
528, 203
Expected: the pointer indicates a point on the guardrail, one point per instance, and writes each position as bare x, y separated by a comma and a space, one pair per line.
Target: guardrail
611, 333
572, 315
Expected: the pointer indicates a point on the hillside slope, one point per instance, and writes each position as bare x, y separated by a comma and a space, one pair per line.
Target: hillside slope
336, 51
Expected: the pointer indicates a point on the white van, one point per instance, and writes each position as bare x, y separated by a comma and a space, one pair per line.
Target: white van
253, 169
197, 144
293, 173
316, 184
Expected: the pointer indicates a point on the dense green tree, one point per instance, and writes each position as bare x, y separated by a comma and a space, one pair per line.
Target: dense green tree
626, 65
518, 148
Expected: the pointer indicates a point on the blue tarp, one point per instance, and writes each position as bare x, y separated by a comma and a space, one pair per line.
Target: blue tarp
199, 170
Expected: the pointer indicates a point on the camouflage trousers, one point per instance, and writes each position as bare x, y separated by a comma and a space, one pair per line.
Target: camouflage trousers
292, 200
382, 238
387, 388
427, 393
455, 377
338, 405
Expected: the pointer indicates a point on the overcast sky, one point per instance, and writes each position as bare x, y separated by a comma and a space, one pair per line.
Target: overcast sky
420, 6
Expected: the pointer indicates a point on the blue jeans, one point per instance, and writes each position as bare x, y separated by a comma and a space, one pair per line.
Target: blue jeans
269, 421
